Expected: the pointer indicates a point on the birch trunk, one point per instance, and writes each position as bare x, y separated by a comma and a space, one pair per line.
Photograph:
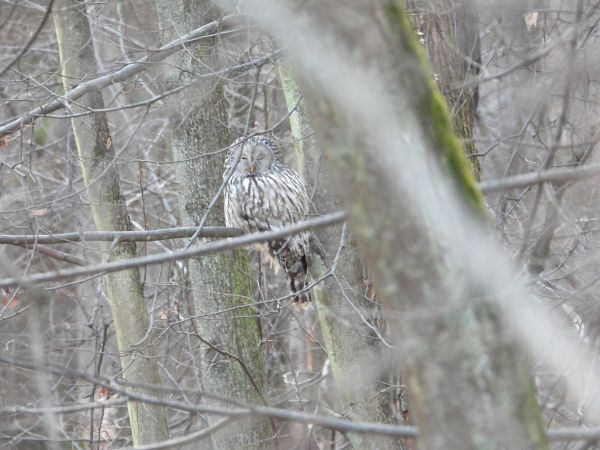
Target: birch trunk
96, 156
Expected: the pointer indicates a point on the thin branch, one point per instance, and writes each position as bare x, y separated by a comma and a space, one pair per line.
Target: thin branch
533, 178
562, 123
239, 412
574, 434
186, 439
93, 394
567, 36
226, 179
558, 434
121, 236
120, 75
66, 409
56, 254
213, 247
237, 359
196, 79
30, 41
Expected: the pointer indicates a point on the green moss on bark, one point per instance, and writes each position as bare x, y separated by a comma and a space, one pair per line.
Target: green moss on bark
434, 110
506, 356
453, 152
248, 338
222, 285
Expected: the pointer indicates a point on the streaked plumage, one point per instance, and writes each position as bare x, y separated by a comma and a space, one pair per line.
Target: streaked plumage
261, 195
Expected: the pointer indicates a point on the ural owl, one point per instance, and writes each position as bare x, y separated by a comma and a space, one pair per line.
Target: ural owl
261, 195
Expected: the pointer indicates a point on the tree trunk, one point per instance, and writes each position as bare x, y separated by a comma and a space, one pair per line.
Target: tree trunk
468, 379
230, 353
96, 153
449, 31
349, 316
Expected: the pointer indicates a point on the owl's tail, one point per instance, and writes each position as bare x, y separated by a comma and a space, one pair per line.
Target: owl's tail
297, 275
296, 270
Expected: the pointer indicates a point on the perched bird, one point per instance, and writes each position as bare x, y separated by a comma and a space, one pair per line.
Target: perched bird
263, 194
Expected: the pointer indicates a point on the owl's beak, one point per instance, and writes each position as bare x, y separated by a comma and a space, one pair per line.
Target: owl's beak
251, 170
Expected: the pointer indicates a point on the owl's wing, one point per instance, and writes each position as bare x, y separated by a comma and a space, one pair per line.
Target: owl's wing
287, 204
233, 208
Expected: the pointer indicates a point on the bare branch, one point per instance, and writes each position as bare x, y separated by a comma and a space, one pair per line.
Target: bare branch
196, 78
574, 434
237, 412
55, 254
121, 236
100, 269
533, 178
122, 74
65, 409
559, 434
186, 439
30, 41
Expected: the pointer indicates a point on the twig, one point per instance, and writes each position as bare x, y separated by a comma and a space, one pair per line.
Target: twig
574, 434
333, 423
226, 179
562, 123
119, 75
30, 41
197, 78
66, 409
239, 412
533, 178
42, 249
93, 394
186, 439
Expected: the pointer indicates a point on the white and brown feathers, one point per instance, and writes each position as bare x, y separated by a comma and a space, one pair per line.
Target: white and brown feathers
261, 195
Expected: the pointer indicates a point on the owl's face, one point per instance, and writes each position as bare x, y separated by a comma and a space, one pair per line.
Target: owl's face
255, 160
259, 156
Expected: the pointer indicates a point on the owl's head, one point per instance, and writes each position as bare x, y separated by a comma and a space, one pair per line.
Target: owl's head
257, 155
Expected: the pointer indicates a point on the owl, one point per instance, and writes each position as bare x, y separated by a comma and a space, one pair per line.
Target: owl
263, 194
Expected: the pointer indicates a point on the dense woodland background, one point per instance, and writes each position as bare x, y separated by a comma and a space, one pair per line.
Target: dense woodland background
449, 151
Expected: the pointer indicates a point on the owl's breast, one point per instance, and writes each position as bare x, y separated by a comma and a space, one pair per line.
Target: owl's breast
260, 203
257, 191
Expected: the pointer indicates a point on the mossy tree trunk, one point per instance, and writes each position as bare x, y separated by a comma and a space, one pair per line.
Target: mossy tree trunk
468, 379
96, 156
229, 351
449, 30
349, 316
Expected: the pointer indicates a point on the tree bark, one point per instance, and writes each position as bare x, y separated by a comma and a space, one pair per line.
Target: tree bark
469, 382
449, 31
230, 353
96, 153
349, 316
